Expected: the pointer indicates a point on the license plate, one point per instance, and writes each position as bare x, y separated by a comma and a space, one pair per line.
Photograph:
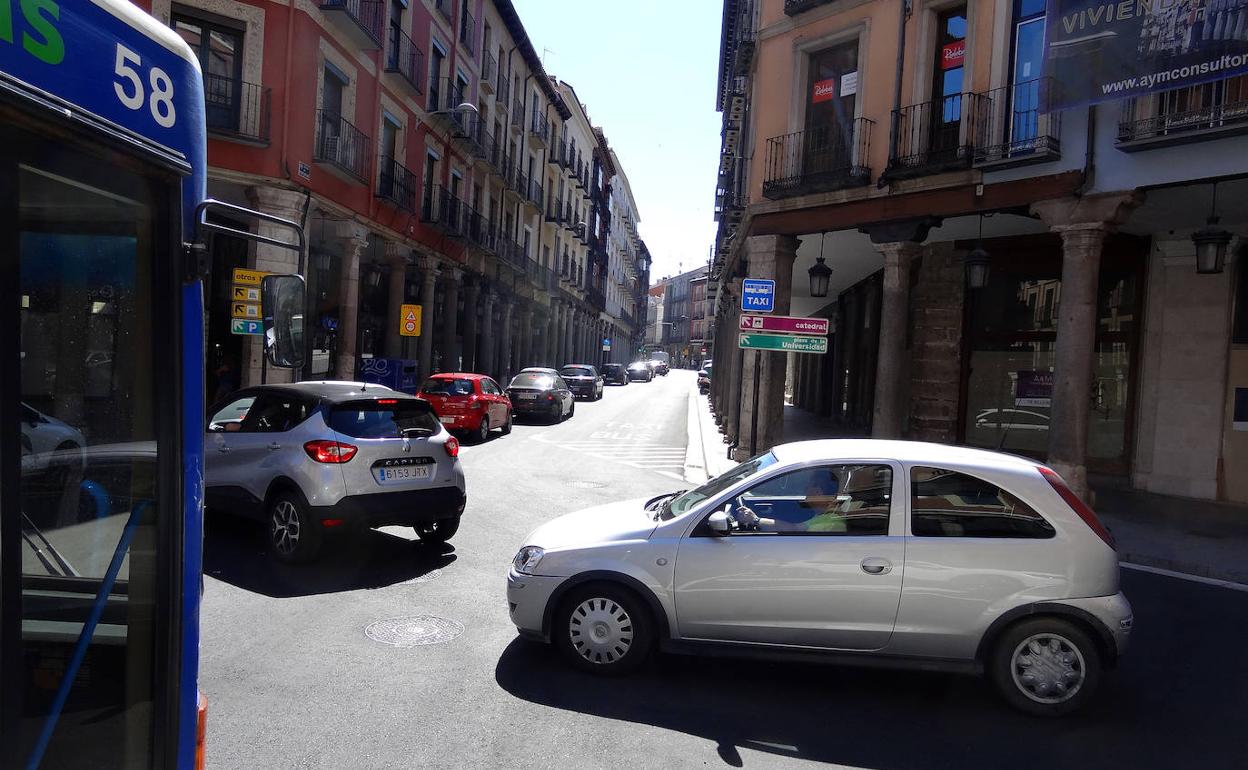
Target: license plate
526, 396
447, 420
405, 473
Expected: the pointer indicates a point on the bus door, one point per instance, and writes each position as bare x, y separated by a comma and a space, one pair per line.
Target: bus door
90, 477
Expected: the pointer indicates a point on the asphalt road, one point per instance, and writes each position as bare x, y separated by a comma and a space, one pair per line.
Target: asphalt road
294, 680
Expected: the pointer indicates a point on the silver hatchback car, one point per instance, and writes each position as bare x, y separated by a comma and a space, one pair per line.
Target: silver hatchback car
318, 458
904, 553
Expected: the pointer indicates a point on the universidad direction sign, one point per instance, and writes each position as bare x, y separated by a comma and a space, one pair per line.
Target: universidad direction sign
1097, 50
785, 343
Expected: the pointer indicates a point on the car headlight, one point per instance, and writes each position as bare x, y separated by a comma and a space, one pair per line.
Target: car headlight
527, 559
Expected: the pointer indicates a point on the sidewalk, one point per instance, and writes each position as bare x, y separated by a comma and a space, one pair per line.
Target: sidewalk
1194, 537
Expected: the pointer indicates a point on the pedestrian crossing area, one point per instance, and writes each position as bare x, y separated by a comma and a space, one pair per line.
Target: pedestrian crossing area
664, 459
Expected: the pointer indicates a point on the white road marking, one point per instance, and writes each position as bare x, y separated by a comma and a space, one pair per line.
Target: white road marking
657, 458
1184, 576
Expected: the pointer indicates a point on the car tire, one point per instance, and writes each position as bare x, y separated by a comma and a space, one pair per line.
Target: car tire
507, 424
482, 433
1069, 657
604, 628
572, 410
293, 536
438, 531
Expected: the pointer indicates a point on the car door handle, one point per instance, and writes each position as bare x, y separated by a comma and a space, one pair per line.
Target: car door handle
875, 565
274, 446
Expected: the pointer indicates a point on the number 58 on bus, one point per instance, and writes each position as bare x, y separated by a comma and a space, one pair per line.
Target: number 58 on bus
103, 228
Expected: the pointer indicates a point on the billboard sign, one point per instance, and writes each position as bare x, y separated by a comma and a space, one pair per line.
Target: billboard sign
1099, 51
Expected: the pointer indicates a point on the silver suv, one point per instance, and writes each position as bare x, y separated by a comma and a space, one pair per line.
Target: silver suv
316, 458
892, 552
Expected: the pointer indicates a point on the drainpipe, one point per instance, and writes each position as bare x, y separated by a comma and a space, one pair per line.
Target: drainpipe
895, 118
1089, 157
290, 47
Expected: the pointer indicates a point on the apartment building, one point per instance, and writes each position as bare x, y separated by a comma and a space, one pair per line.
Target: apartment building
1016, 262
680, 327
430, 158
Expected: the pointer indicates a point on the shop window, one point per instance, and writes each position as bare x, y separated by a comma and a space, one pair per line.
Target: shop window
219, 48
1240, 333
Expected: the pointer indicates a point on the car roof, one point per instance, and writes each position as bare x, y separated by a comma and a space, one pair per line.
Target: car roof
583, 366
333, 390
920, 452
458, 376
542, 369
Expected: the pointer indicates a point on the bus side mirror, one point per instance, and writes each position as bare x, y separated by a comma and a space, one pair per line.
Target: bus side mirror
282, 305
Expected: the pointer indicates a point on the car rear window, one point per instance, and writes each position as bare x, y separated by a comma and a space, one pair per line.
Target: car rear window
383, 418
576, 371
446, 386
539, 381
946, 503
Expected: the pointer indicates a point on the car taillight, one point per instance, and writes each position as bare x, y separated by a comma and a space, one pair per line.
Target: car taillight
1077, 505
330, 451
387, 401
476, 403
550, 397
451, 446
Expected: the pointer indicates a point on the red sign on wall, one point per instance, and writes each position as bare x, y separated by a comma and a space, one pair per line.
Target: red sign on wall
824, 90
952, 55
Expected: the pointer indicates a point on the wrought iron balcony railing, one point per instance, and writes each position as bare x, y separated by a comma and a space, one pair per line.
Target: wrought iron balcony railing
1015, 125
817, 160
361, 19
397, 184
489, 72
237, 109
405, 58
554, 211
444, 8
1185, 115
540, 128
794, 7
342, 145
934, 136
536, 192
467, 30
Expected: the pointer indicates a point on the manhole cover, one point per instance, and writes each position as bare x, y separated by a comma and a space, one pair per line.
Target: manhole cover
585, 484
414, 631
425, 578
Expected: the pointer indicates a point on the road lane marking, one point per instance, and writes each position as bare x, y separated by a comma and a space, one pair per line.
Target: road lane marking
1184, 576
664, 459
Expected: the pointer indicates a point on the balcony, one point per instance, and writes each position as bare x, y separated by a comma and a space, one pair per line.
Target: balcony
467, 30
236, 109
1183, 115
485, 146
597, 298
1016, 126
502, 94
517, 115
934, 137
794, 7
818, 160
480, 232
341, 147
444, 7
557, 151
405, 60
554, 211
444, 96
446, 212
489, 73
360, 20
535, 193
539, 128
397, 184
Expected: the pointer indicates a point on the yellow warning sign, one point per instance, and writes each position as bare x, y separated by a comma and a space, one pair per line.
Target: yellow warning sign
248, 277
409, 320
246, 294
245, 310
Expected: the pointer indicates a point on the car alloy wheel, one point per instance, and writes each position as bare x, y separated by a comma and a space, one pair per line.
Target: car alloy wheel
293, 537
1047, 668
507, 425
483, 430
601, 631
285, 528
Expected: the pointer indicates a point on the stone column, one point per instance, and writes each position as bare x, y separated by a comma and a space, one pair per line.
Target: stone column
1082, 224
396, 257
569, 336
353, 239
472, 293
429, 277
554, 331
450, 325
770, 256
287, 204
485, 353
889, 411
528, 333
508, 338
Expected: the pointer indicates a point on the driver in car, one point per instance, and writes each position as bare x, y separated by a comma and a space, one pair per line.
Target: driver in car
819, 509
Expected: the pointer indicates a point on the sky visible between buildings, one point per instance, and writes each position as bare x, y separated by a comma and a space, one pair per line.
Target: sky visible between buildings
646, 71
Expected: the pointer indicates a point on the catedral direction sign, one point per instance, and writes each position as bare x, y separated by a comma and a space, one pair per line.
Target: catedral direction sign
784, 324
786, 343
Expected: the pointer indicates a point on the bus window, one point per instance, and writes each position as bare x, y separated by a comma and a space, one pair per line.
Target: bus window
89, 506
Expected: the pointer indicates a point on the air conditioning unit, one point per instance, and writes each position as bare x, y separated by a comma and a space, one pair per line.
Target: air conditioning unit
331, 148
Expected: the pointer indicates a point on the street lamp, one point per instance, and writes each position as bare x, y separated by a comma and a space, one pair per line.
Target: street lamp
463, 108
819, 273
1211, 241
977, 261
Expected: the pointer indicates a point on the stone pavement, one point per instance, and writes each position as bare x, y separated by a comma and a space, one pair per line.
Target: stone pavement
1194, 537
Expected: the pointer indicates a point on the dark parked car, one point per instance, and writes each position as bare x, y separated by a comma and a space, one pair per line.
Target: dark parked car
541, 395
641, 371
615, 374
584, 380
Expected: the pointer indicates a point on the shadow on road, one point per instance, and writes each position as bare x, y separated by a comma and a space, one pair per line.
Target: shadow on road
235, 552
1171, 704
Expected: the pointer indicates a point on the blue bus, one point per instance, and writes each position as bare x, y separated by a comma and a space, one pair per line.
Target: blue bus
103, 220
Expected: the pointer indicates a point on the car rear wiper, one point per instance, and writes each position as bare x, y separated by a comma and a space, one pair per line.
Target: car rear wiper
416, 432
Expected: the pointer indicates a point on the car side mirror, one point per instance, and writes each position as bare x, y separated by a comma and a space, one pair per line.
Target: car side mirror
720, 523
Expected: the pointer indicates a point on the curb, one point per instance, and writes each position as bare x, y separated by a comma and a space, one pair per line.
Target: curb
696, 471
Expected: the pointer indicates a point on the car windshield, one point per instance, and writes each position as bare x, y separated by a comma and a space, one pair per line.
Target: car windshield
538, 381
383, 418
687, 500
446, 386
576, 371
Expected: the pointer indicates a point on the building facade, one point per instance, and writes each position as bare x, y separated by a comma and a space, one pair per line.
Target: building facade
1004, 274
432, 162
679, 328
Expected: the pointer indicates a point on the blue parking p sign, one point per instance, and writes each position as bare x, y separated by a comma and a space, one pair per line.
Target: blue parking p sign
758, 295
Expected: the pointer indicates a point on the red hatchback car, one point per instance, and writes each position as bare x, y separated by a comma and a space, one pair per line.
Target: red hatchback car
468, 403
